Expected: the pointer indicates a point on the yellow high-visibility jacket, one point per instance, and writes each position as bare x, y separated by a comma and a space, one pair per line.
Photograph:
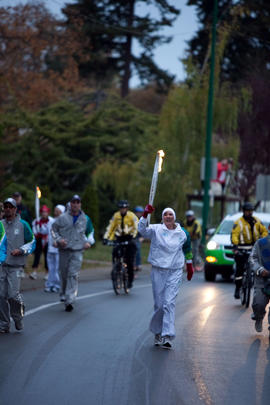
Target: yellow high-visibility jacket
122, 226
195, 229
241, 232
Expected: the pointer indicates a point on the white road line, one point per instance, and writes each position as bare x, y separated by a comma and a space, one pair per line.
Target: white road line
82, 297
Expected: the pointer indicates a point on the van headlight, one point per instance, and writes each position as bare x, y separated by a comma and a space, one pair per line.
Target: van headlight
212, 245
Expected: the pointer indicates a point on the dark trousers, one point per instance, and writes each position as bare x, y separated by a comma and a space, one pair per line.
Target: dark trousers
240, 261
129, 256
37, 254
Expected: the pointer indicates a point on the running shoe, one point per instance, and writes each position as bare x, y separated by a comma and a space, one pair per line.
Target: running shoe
4, 330
33, 275
158, 340
166, 342
69, 308
19, 324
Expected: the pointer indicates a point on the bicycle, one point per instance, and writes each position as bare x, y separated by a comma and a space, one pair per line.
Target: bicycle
119, 271
248, 278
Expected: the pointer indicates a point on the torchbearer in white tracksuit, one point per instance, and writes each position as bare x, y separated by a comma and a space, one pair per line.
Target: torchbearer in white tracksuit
170, 247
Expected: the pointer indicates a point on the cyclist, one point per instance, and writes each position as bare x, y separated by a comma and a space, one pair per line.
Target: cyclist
260, 264
246, 231
123, 227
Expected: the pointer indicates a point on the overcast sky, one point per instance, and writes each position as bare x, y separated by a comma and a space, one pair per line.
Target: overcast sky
166, 56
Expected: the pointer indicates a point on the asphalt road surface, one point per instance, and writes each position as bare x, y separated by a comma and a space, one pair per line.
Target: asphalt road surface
102, 353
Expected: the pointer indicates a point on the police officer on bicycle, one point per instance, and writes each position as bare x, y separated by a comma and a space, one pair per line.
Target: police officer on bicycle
246, 231
123, 227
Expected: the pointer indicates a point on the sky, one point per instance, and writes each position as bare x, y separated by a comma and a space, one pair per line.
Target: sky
167, 56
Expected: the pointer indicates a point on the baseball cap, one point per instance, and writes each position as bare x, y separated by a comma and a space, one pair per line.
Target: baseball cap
16, 194
76, 197
10, 201
138, 208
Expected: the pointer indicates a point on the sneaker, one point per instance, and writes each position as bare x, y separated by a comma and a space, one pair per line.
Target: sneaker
33, 275
258, 325
19, 325
54, 289
69, 308
158, 340
166, 342
62, 298
237, 293
45, 277
22, 274
4, 330
47, 289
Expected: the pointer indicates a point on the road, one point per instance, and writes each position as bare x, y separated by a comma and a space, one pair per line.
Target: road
102, 353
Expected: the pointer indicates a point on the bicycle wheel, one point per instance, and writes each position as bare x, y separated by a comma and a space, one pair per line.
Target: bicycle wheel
116, 279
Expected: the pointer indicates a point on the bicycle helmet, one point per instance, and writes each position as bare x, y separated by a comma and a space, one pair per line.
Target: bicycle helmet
123, 204
138, 208
248, 206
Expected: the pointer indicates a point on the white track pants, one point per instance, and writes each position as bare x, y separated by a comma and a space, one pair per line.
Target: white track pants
53, 266
165, 285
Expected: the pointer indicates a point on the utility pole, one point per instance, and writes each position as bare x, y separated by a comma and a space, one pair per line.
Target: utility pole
209, 126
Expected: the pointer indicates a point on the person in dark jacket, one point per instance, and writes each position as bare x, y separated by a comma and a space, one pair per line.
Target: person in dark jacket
22, 210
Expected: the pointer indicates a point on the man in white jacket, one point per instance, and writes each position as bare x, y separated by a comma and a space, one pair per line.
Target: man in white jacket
170, 246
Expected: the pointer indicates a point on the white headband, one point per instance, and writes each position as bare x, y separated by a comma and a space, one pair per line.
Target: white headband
170, 210
61, 207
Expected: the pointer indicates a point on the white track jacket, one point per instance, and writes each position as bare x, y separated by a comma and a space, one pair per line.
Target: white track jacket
166, 245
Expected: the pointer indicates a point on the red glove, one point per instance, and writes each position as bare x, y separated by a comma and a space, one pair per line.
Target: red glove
190, 271
148, 210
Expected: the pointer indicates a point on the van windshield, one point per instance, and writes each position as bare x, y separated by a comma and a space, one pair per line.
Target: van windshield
225, 228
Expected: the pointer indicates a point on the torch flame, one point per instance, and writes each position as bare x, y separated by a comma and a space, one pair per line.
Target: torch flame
161, 155
38, 192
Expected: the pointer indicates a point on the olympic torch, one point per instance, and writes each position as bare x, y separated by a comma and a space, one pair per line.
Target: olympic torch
37, 204
157, 169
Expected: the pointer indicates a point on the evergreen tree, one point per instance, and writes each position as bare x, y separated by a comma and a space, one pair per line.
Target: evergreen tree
91, 206
248, 45
107, 29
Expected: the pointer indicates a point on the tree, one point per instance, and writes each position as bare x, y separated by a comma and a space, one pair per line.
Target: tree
254, 132
37, 67
248, 45
68, 151
107, 29
91, 205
